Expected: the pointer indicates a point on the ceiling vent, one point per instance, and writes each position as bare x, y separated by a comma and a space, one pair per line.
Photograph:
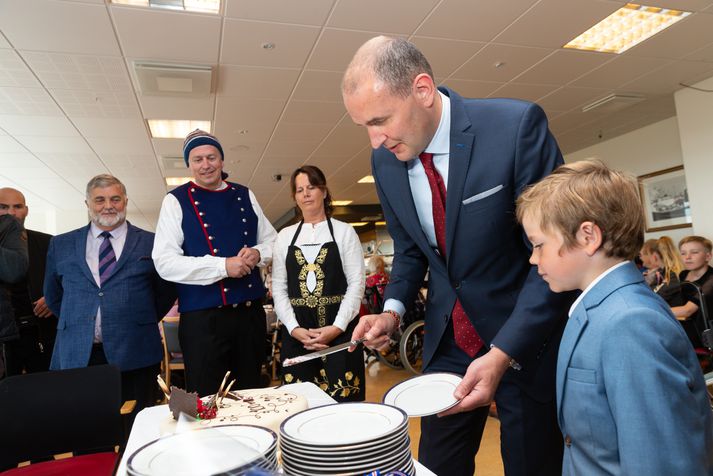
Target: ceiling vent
614, 102
161, 79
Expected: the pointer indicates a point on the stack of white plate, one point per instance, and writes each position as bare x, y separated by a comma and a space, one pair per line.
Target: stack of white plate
233, 449
346, 439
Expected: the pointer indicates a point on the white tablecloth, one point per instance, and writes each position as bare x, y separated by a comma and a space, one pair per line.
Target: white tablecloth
148, 423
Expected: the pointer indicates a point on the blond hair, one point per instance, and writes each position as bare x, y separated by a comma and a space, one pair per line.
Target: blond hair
588, 191
696, 239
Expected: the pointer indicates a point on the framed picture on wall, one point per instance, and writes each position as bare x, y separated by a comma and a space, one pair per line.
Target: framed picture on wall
664, 196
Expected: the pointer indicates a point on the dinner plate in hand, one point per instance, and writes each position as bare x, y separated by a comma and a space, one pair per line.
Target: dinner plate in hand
204, 451
424, 395
343, 424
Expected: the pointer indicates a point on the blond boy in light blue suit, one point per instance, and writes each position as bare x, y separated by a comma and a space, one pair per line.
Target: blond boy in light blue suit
631, 398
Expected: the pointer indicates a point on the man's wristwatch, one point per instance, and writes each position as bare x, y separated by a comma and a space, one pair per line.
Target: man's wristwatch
512, 363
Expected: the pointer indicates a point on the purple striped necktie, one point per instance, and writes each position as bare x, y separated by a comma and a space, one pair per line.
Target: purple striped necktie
107, 257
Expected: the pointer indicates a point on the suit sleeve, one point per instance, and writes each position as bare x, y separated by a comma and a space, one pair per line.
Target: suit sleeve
13, 251
53, 283
538, 311
655, 394
409, 264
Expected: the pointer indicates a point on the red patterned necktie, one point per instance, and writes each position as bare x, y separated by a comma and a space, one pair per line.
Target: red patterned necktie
466, 336
107, 257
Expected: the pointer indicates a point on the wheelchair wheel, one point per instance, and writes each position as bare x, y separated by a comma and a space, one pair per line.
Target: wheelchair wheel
391, 357
411, 347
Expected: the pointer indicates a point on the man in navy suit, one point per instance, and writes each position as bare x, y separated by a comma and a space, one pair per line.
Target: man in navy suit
448, 171
101, 283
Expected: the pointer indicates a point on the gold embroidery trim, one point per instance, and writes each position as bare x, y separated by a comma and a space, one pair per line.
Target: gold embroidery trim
313, 299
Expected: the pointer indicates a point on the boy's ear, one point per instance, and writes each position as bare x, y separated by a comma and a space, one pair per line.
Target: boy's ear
589, 237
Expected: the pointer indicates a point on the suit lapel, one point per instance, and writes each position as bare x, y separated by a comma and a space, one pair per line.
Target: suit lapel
577, 322
80, 249
461, 147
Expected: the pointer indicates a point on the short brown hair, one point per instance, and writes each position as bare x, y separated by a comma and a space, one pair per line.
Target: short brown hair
588, 191
316, 178
696, 239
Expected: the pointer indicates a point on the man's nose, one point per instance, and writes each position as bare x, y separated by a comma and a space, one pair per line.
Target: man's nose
377, 138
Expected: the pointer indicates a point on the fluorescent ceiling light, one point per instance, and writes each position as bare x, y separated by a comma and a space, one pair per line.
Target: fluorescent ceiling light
176, 181
358, 223
341, 203
626, 27
170, 129
203, 6
366, 179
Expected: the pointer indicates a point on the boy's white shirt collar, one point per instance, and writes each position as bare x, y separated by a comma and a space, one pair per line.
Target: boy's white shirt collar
594, 283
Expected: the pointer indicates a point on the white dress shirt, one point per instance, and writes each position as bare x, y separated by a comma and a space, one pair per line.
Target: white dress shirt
592, 284
420, 189
94, 242
168, 256
310, 241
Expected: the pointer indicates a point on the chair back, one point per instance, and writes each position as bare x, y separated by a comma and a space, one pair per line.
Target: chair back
170, 336
60, 411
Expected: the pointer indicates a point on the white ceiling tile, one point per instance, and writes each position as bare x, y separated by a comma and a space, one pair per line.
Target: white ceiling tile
686, 5
527, 92
236, 114
3, 42
335, 49
9, 145
395, 16
86, 103
469, 20
120, 145
306, 12
38, 126
568, 18
66, 71
256, 82
618, 71
314, 111
703, 54
568, 98
243, 40
691, 33
27, 102
166, 107
14, 72
45, 25
319, 86
445, 56
563, 66
668, 78
301, 131
183, 36
112, 128
500, 62
55, 145
472, 89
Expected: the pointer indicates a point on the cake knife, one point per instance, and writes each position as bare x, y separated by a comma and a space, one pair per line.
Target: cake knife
321, 353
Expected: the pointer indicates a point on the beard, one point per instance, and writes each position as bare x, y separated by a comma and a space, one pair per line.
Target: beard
108, 221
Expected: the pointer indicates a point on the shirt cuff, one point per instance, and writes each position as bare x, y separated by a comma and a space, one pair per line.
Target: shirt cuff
395, 305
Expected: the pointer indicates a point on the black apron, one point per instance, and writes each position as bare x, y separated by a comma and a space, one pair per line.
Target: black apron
341, 375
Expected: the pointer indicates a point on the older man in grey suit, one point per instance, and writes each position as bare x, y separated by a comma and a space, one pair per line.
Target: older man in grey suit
101, 282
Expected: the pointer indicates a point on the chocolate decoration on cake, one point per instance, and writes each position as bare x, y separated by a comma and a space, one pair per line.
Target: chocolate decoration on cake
182, 402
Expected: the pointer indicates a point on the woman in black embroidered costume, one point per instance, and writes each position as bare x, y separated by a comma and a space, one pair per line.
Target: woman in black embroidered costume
317, 284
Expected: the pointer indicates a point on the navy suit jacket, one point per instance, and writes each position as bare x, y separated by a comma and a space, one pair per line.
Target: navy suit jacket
133, 299
497, 148
630, 393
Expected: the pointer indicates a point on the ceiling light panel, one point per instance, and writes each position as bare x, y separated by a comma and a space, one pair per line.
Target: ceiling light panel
170, 129
202, 6
625, 28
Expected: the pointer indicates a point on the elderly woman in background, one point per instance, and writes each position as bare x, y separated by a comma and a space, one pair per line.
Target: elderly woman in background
317, 285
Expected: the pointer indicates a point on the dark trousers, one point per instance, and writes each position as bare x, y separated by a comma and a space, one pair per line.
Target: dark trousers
214, 341
530, 440
137, 384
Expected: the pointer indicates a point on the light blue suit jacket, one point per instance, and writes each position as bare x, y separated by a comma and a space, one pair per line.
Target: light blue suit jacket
133, 299
631, 397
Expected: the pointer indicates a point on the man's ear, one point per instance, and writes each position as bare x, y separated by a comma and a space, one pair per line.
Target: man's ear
589, 237
424, 89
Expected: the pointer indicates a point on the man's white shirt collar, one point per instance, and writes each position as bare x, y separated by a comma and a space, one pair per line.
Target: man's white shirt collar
441, 142
117, 232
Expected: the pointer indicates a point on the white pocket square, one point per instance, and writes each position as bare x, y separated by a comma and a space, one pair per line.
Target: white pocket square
482, 195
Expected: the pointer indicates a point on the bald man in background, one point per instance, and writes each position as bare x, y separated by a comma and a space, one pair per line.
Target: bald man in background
36, 323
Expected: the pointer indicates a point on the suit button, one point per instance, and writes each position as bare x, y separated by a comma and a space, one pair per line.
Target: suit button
101, 294
225, 290
445, 318
568, 441
248, 304
456, 285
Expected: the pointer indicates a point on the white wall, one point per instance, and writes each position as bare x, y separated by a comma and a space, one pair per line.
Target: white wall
694, 111
649, 149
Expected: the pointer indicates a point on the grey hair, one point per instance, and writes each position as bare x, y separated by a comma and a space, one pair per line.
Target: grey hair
103, 181
393, 61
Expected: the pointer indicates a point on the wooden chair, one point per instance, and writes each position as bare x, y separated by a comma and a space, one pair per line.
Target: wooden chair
172, 355
62, 411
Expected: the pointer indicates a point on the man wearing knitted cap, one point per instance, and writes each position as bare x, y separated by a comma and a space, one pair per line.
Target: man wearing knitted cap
210, 238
